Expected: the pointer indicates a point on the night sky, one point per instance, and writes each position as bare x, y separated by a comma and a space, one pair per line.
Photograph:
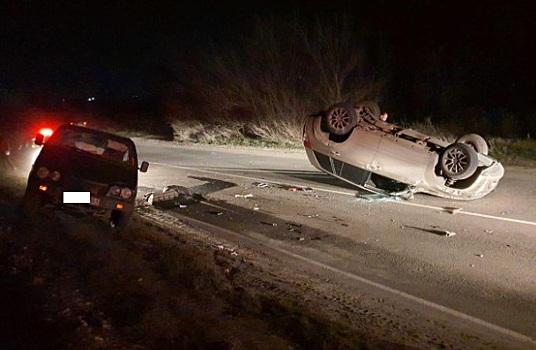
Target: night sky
51, 50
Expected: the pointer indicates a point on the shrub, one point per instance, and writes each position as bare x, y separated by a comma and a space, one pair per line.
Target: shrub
265, 88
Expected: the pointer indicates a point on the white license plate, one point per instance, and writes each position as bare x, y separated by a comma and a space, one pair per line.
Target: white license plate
94, 201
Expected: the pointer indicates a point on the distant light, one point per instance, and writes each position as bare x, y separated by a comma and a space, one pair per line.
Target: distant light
91, 99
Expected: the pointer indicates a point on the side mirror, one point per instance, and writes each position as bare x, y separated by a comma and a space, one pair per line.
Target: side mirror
144, 166
39, 139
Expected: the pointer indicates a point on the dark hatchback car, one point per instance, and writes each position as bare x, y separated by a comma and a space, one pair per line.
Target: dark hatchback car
85, 170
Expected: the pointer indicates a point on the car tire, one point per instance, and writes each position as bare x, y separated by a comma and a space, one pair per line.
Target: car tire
119, 220
459, 161
32, 203
341, 118
373, 108
477, 142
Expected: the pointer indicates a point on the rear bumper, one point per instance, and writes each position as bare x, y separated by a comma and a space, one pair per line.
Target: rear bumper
101, 205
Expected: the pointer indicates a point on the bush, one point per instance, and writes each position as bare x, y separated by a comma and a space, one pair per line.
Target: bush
264, 88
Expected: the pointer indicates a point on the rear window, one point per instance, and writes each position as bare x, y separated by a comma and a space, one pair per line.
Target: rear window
94, 143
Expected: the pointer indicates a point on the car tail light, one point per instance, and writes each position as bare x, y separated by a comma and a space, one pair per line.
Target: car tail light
55, 175
117, 191
306, 142
114, 191
42, 172
126, 193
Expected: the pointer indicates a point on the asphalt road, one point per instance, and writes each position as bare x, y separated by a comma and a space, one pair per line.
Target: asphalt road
471, 261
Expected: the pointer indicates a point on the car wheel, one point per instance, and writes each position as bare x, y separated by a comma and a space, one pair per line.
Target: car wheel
341, 118
373, 108
32, 203
459, 161
477, 142
119, 220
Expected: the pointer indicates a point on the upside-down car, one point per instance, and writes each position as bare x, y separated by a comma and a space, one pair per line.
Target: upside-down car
352, 143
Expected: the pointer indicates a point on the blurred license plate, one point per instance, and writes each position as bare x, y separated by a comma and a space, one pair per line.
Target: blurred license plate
94, 201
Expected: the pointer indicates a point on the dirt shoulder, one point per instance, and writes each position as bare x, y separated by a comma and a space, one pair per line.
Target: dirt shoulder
67, 283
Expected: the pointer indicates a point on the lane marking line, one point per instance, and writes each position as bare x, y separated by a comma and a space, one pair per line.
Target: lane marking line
276, 245
352, 194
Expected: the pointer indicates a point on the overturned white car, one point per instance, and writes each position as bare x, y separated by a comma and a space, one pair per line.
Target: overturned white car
352, 143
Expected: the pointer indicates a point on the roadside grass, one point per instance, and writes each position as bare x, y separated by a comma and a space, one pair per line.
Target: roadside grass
274, 134
145, 288
520, 152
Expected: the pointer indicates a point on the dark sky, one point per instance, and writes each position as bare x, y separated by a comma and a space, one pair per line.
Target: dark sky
70, 47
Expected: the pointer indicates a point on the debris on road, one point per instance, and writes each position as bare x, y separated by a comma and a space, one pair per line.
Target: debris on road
176, 188
292, 227
214, 212
449, 233
488, 231
407, 194
260, 184
173, 196
149, 198
292, 188
243, 195
376, 197
269, 223
479, 255
452, 210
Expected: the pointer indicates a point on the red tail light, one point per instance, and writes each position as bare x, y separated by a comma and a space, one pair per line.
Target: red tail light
306, 142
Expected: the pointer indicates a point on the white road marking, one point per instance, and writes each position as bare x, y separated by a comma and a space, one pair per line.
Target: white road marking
255, 237
346, 193
523, 222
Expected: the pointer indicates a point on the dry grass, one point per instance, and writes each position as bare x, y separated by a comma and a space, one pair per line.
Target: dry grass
514, 152
235, 132
262, 90
427, 127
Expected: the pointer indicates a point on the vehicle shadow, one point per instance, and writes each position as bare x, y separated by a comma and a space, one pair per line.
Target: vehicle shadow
237, 218
318, 177
434, 230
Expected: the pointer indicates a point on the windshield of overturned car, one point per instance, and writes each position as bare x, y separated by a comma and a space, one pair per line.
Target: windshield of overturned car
96, 144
